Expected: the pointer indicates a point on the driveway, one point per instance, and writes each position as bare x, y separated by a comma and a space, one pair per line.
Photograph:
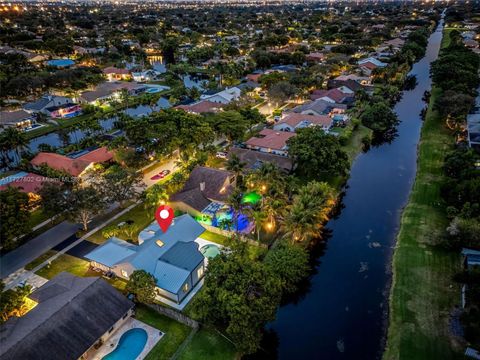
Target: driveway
21, 256
170, 165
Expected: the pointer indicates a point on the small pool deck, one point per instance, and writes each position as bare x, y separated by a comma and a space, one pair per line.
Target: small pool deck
154, 336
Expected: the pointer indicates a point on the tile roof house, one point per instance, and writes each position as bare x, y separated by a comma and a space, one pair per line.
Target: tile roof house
28, 183
294, 121
204, 186
19, 119
113, 73
72, 316
332, 96
75, 164
270, 141
316, 57
255, 159
172, 257
320, 107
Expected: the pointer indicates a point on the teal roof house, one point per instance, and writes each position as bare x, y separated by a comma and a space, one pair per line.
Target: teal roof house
172, 257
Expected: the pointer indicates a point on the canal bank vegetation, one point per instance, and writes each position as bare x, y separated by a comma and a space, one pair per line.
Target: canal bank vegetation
424, 293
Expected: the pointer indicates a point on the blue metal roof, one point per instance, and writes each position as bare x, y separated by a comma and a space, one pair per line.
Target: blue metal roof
169, 256
112, 252
10, 178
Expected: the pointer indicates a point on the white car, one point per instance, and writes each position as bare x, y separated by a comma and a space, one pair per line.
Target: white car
221, 155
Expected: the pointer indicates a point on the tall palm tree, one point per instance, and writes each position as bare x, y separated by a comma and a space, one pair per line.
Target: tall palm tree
17, 141
235, 165
258, 216
300, 223
235, 200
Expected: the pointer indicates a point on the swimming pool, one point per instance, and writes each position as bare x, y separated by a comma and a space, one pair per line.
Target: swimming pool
210, 250
61, 62
129, 346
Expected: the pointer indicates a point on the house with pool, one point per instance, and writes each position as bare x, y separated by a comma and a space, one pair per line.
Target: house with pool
72, 318
176, 258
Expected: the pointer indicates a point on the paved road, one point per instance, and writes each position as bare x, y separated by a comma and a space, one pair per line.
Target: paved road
29, 251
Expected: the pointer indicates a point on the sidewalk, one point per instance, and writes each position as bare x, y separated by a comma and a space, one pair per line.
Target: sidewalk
23, 275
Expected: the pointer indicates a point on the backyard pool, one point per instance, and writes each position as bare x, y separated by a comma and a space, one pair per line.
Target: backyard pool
210, 251
60, 62
129, 346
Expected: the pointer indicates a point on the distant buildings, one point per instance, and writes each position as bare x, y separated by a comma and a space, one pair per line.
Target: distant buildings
270, 141
75, 164
223, 97
114, 74
294, 121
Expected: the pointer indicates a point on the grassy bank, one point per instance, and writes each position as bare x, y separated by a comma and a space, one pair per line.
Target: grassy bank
423, 292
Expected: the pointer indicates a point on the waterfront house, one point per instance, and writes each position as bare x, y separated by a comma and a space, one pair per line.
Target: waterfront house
172, 257
270, 141
46, 101
294, 121
204, 186
320, 107
253, 160
19, 119
72, 316
109, 90
75, 164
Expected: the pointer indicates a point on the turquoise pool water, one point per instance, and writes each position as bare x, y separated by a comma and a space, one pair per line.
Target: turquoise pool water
129, 346
61, 62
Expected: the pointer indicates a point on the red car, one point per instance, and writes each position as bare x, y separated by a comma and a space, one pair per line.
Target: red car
160, 175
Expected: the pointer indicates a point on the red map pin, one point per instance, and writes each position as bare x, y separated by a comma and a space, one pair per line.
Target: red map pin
164, 216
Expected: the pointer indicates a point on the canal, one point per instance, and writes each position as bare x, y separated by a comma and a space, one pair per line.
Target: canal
342, 312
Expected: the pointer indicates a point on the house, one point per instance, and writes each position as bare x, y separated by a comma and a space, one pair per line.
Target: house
294, 121
113, 73
223, 97
108, 90
68, 110
316, 57
320, 107
369, 64
74, 164
28, 183
249, 86
333, 96
270, 141
362, 80
73, 315
204, 186
255, 159
346, 86
202, 107
254, 76
46, 101
19, 119
147, 75
473, 129
172, 257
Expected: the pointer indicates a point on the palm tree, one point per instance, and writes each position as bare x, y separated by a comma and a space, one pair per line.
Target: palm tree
258, 217
235, 165
300, 223
235, 200
16, 140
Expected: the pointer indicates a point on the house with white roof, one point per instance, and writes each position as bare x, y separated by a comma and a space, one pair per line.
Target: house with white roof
223, 97
172, 257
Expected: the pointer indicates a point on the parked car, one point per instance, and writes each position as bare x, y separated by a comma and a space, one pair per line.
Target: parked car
221, 155
160, 175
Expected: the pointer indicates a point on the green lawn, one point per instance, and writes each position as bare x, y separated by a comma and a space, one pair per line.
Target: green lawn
37, 217
208, 344
423, 292
71, 264
355, 145
175, 332
140, 216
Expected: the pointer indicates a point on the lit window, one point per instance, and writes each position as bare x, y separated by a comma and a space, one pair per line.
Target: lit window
159, 243
124, 273
185, 287
200, 272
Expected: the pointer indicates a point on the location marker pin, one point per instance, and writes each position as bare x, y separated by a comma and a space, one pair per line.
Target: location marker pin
164, 216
